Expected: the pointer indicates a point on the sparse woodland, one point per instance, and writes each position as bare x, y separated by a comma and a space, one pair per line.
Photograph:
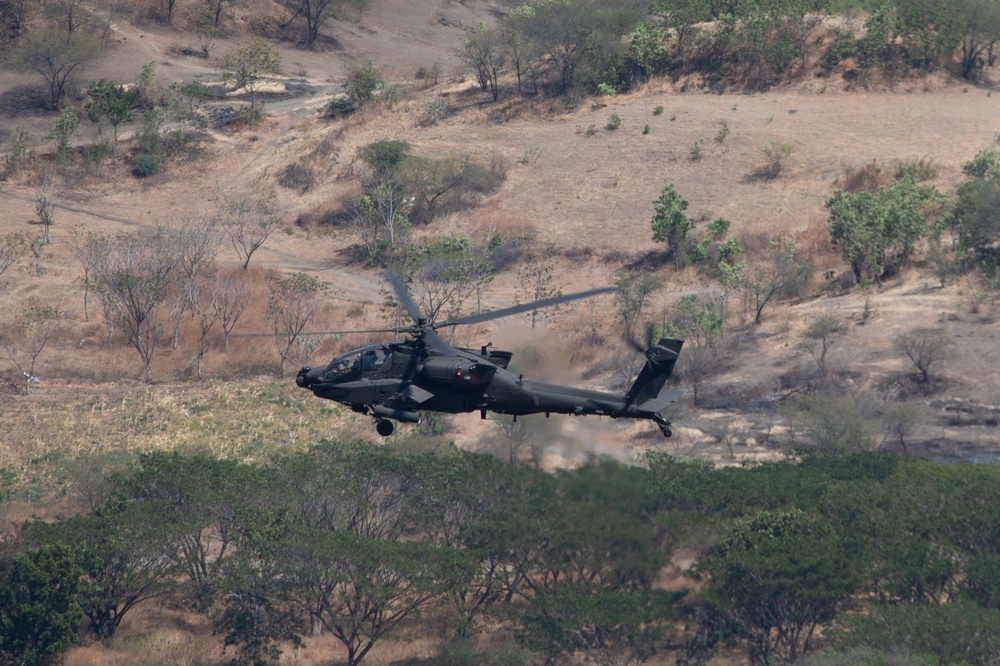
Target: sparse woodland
170, 498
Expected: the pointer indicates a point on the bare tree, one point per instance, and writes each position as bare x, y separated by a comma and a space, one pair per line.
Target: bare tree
704, 357
822, 334
12, 248
196, 244
315, 13
486, 54
536, 276
899, 420
248, 223
134, 283
33, 327
71, 11
201, 294
379, 217
232, 294
45, 207
292, 303
924, 347
90, 250
57, 57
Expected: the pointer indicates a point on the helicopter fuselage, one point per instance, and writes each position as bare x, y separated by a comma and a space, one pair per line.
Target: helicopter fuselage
399, 380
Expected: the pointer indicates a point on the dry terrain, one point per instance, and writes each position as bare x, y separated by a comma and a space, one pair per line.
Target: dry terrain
572, 184
586, 192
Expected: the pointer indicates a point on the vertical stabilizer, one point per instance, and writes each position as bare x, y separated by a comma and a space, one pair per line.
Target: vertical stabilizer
660, 361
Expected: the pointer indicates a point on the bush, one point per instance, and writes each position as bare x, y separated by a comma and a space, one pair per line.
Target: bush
920, 170
339, 107
614, 122
363, 81
297, 176
147, 165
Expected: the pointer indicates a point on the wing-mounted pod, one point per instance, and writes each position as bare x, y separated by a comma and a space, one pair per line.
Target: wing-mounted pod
457, 371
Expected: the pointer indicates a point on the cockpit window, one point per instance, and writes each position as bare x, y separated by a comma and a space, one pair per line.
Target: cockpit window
366, 359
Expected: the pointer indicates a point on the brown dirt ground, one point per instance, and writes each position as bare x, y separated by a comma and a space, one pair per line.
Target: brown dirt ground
586, 193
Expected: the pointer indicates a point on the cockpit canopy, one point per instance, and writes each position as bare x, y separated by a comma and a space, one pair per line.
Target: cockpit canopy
364, 359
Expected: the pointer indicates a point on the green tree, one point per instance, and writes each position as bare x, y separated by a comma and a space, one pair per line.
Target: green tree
254, 613
247, 68
65, 127
975, 219
203, 498
576, 40
978, 24
955, 633
878, 231
126, 553
58, 57
778, 576
929, 29
367, 587
385, 157
39, 604
111, 102
683, 17
671, 225
612, 627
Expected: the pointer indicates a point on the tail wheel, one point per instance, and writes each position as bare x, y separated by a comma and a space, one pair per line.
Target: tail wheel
664, 425
384, 427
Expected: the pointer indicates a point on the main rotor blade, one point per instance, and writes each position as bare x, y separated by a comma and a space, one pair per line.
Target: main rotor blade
526, 307
399, 285
432, 339
316, 333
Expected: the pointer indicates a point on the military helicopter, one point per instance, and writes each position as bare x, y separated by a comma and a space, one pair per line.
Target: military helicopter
399, 380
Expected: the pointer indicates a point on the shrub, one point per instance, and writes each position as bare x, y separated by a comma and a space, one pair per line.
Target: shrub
434, 110
340, 106
297, 176
363, 81
723, 133
985, 165
147, 165
614, 122
921, 170
658, 110
866, 179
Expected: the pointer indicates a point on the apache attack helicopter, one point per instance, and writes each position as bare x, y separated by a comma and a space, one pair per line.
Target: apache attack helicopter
397, 381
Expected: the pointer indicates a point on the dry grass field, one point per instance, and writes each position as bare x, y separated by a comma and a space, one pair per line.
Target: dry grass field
571, 184
588, 194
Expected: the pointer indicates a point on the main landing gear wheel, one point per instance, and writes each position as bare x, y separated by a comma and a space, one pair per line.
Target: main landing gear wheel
384, 427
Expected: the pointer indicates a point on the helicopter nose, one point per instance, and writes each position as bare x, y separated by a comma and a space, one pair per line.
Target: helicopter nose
303, 380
